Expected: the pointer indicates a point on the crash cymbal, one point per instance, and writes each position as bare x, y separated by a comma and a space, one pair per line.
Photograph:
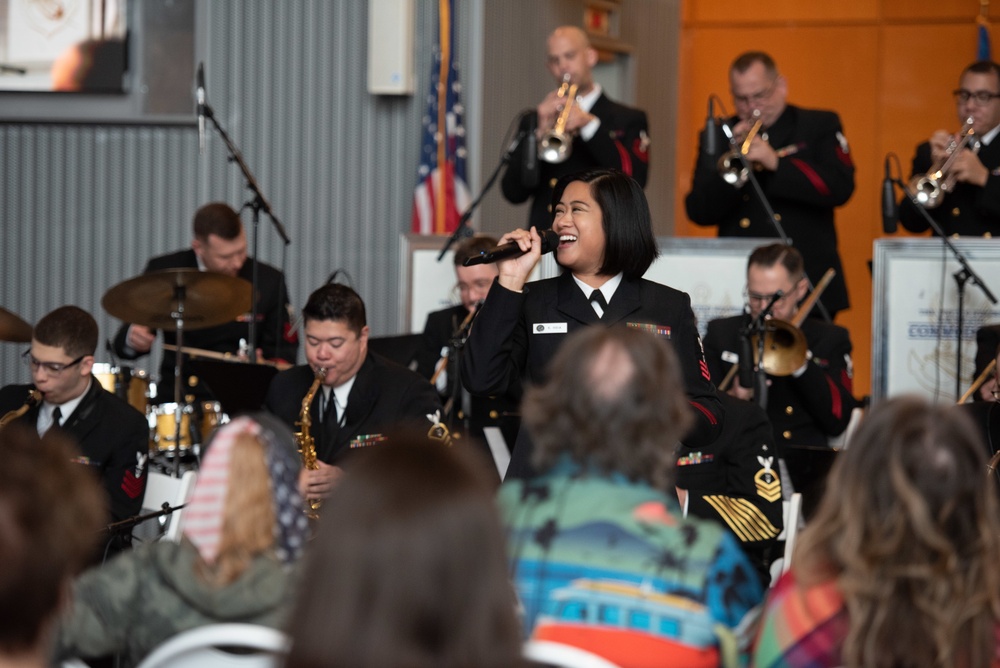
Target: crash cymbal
13, 328
153, 299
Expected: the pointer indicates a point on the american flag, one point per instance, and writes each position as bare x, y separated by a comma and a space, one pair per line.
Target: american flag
441, 194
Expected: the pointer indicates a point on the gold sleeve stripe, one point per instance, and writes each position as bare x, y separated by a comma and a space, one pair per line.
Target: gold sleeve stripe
745, 519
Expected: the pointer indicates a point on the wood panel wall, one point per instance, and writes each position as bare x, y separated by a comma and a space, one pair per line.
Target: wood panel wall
886, 66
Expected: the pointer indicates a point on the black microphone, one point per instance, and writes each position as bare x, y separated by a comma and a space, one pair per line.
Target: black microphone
711, 142
529, 164
890, 212
550, 240
201, 108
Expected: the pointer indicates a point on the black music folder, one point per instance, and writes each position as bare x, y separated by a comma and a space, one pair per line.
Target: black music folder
239, 386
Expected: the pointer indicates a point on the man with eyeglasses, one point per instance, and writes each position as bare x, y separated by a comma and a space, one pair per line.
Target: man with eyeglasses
972, 208
802, 161
815, 402
113, 437
438, 357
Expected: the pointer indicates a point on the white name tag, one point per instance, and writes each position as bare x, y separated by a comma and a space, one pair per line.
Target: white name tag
729, 356
549, 328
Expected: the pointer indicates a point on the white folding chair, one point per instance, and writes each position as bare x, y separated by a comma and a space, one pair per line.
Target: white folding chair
498, 448
792, 510
200, 648
561, 655
162, 489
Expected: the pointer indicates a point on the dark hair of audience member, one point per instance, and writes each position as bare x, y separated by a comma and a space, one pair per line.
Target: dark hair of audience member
51, 510
408, 567
614, 398
910, 530
629, 243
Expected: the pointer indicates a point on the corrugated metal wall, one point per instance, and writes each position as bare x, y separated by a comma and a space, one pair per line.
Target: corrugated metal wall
83, 207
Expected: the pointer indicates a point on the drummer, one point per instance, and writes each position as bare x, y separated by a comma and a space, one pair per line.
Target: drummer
220, 246
113, 436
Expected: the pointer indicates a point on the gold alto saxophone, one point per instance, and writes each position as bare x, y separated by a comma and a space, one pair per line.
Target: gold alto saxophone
34, 397
305, 441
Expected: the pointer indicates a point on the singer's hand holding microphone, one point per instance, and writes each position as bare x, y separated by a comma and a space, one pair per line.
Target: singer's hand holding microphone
517, 255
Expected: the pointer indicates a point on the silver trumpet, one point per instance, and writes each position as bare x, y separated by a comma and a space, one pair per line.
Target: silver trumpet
929, 188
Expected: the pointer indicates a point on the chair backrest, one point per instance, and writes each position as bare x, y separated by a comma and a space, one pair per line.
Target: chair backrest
200, 648
559, 655
792, 510
162, 489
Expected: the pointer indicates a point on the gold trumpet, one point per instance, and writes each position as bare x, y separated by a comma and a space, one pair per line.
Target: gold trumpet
929, 188
556, 144
730, 166
785, 347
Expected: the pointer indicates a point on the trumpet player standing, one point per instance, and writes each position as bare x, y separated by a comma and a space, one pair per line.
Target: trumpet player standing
591, 130
969, 203
802, 161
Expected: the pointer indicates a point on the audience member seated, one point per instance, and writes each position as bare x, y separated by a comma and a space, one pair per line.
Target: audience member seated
408, 566
600, 554
898, 566
50, 512
234, 564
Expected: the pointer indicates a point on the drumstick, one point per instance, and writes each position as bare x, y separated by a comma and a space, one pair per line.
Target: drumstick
225, 357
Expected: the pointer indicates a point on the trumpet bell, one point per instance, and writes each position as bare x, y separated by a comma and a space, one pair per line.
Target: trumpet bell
554, 148
784, 348
731, 169
926, 189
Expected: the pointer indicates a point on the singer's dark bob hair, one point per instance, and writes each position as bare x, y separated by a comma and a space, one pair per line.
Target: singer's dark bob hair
629, 246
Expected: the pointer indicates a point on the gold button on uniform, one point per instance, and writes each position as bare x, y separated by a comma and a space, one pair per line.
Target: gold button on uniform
789, 410
787, 435
777, 217
987, 235
494, 415
461, 415
744, 223
956, 212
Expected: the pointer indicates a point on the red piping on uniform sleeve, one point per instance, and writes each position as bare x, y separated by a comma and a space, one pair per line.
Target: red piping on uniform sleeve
836, 405
818, 183
626, 159
711, 416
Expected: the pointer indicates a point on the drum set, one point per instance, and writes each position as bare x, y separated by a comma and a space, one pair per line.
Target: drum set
174, 300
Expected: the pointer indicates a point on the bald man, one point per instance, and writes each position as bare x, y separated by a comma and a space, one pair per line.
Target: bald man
604, 133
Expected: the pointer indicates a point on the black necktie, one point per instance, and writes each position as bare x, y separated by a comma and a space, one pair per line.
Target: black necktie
56, 416
597, 297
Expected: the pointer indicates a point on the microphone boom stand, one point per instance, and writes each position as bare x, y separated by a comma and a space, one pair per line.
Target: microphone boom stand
758, 327
463, 230
258, 203
962, 276
762, 198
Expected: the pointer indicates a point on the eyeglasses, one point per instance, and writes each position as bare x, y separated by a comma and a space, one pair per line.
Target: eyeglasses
996, 390
756, 98
53, 368
752, 297
982, 97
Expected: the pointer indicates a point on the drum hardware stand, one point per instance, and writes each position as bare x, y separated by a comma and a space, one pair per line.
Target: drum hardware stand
762, 198
257, 204
178, 316
962, 276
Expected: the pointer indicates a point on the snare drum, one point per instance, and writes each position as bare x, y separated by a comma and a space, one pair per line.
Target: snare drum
163, 428
131, 385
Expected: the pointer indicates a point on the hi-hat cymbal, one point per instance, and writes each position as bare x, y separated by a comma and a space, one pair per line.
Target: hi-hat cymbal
153, 299
12, 328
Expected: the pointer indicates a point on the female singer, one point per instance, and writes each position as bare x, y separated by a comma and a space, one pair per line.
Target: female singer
606, 244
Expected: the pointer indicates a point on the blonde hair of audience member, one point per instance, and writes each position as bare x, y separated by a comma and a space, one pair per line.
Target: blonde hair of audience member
51, 510
408, 568
910, 530
248, 526
623, 410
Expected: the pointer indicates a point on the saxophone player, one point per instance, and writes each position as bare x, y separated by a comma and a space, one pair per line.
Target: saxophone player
972, 207
361, 396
